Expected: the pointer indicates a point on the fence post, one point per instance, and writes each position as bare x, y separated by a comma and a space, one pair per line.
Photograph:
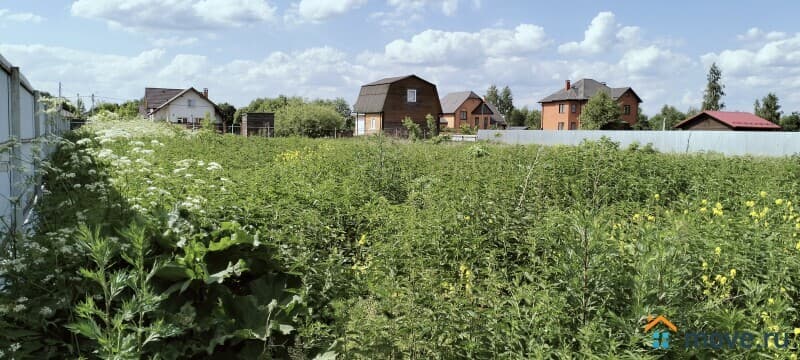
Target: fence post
14, 155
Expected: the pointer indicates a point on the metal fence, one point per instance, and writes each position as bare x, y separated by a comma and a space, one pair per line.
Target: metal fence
758, 143
24, 126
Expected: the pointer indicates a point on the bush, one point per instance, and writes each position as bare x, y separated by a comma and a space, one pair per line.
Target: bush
309, 120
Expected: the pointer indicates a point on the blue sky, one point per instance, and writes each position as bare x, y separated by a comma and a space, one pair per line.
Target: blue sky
243, 49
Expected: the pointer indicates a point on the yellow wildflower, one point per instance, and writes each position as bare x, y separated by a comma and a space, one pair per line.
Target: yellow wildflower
797, 246
685, 212
763, 194
706, 292
636, 217
704, 202
753, 213
717, 251
704, 278
723, 280
702, 209
778, 201
750, 203
783, 289
651, 218
770, 301
362, 240
705, 265
717, 211
462, 268
797, 331
466, 217
733, 272
657, 196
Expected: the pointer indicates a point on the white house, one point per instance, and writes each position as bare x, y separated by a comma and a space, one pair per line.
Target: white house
179, 106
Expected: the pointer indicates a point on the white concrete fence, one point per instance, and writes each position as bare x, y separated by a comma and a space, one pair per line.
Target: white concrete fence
25, 127
758, 143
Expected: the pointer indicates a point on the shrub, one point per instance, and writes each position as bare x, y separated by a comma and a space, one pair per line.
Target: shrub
311, 120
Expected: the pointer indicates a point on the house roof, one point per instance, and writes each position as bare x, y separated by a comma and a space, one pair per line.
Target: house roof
497, 118
452, 101
155, 97
735, 120
158, 94
373, 95
584, 89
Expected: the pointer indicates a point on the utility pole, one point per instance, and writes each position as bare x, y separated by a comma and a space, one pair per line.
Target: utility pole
59, 90
92, 112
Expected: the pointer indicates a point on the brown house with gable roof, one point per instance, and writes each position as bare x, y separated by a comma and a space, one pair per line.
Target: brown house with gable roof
562, 109
467, 108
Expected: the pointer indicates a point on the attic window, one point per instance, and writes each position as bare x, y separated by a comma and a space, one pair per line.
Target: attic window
190, 102
411, 95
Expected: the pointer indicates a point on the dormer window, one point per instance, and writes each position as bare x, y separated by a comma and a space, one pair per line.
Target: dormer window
411, 95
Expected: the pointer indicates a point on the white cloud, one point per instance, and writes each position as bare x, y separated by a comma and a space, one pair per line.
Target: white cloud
8, 15
757, 35
404, 12
436, 46
319, 10
175, 14
186, 68
174, 41
601, 36
653, 60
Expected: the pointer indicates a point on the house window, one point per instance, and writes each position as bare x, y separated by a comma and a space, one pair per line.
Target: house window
477, 121
573, 125
411, 94
560, 125
463, 115
626, 109
573, 108
190, 102
486, 123
182, 120
562, 108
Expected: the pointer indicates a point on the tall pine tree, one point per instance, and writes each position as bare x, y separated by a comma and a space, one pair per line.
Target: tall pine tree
712, 97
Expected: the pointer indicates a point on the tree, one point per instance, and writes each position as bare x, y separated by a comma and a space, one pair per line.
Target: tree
312, 120
768, 108
667, 118
600, 112
228, 112
80, 107
517, 117
492, 96
433, 125
534, 119
506, 102
641, 121
712, 97
791, 122
414, 131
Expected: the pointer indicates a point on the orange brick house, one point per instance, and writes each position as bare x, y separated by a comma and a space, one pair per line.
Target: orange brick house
562, 109
467, 108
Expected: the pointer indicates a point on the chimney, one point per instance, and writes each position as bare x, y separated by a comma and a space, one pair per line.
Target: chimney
205, 93
568, 85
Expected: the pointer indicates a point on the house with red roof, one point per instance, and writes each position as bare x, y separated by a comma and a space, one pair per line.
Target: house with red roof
727, 121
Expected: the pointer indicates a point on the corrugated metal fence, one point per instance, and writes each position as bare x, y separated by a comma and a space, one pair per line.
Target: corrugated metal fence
759, 143
24, 130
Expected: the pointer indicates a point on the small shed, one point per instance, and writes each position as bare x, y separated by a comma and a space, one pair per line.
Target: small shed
727, 121
258, 124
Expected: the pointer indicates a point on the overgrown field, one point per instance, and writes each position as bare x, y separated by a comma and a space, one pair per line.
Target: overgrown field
209, 246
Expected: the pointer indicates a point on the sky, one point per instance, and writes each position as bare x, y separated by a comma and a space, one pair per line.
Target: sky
244, 49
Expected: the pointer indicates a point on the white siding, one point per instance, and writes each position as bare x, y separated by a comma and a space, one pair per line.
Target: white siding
179, 108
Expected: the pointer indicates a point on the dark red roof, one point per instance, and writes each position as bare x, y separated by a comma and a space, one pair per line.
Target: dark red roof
735, 119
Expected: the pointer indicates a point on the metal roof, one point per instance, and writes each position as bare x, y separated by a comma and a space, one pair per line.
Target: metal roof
156, 97
452, 101
735, 119
586, 88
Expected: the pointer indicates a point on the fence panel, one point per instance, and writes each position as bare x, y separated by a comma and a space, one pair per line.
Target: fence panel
22, 125
759, 143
